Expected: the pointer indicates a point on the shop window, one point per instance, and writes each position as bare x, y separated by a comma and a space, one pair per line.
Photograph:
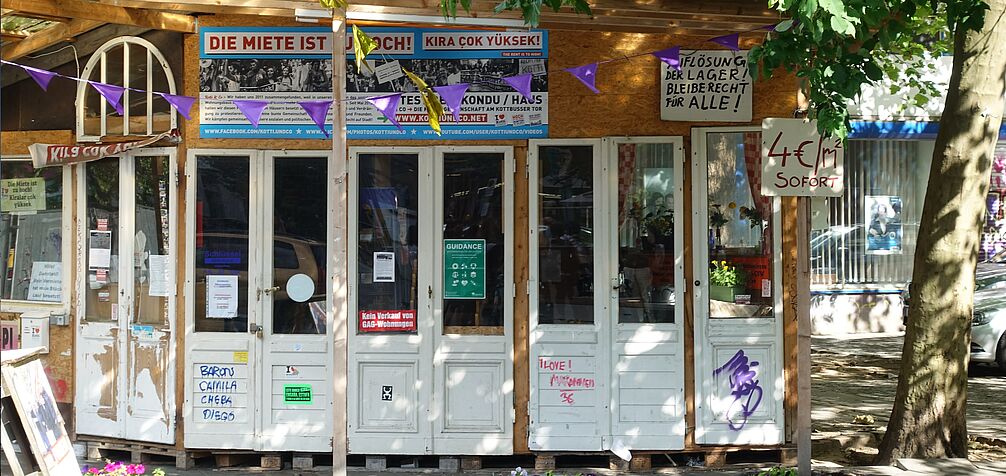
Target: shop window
867, 236
31, 233
739, 228
136, 63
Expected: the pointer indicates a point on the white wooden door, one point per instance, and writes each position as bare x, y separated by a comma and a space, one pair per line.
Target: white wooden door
223, 321
645, 208
296, 351
472, 406
126, 372
391, 223
570, 292
739, 380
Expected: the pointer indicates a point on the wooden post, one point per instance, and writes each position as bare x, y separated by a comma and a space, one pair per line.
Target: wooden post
803, 367
337, 240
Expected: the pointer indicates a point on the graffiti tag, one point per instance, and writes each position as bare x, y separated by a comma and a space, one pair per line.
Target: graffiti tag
744, 388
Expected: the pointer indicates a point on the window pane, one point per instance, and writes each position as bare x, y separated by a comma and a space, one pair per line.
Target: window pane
739, 228
152, 258
300, 217
566, 235
102, 257
646, 233
222, 213
868, 235
388, 232
473, 210
32, 209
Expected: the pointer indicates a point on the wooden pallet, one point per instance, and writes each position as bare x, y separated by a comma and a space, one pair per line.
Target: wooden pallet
139, 452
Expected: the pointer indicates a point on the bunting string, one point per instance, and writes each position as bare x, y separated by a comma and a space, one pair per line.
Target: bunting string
387, 105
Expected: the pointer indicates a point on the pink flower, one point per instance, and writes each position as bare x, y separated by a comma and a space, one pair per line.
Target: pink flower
112, 467
94, 471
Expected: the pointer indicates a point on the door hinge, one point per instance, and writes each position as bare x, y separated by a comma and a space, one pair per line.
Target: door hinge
178, 178
527, 170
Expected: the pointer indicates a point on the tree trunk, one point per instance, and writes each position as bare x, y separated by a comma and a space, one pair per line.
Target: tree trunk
928, 419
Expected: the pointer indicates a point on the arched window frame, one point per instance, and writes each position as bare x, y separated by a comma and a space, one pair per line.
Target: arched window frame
99, 59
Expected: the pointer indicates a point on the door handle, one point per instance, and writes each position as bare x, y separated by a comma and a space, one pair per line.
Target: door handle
271, 290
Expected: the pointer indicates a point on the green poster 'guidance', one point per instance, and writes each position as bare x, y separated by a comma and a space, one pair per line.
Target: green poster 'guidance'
297, 394
464, 269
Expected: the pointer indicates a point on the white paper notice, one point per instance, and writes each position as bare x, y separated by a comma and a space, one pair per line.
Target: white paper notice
389, 71
46, 282
384, 267
222, 297
160, 278
100, 249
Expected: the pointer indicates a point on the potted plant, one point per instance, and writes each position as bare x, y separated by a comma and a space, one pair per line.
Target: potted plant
725, 281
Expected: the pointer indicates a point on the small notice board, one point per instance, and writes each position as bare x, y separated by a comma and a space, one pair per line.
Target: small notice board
464, 269
36, 422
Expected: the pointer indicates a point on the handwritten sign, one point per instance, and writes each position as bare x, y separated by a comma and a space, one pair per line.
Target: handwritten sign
568, 376
220, 393
46, 281
742, 378
712, 86
797, 161
22, 195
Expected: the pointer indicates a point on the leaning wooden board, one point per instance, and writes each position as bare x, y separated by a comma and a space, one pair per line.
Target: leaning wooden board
25, 382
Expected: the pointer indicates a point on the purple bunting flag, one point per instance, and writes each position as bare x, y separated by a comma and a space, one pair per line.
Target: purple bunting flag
182, 104
730, 41
387, 105
522, 84
671, 56
251, 109
453, 95
586, 74
41, 76
111, 93
318, 112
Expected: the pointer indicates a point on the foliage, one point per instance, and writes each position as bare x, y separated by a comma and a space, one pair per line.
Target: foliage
779, 471
716, 216
753, 215
120, 468
838, 46
530, 9
722, 274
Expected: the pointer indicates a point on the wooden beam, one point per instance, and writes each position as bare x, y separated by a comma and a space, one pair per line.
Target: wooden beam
82, 10
86, 44
50, 36
12, 36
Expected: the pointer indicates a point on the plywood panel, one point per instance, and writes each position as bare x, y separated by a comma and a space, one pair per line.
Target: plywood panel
689, 321
789, 312
17, 142
520, 318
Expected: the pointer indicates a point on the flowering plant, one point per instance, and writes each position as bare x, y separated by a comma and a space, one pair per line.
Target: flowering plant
723, 274
753, 215
119, 468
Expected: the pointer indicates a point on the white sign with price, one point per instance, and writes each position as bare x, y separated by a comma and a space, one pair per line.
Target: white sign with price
797, 161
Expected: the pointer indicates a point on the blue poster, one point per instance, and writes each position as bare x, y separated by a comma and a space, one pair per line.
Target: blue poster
285, 65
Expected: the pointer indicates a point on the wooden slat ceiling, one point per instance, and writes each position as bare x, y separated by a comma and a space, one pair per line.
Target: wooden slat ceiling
64, 19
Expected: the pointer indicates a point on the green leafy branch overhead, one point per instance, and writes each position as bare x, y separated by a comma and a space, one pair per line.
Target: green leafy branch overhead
838, 46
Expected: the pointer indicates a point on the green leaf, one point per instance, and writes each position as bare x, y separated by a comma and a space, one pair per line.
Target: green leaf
784, 25
362, 46
842, 25
873, 71
834, 7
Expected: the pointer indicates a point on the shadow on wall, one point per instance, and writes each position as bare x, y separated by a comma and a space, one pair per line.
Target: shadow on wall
855, 313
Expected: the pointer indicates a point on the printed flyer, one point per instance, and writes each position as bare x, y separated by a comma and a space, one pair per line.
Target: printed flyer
292, 64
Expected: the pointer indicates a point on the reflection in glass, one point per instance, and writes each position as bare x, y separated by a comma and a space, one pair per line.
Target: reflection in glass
646, 233
102, 257
388, 226
473, 209
739, 228
20, 243
150, 242
566, 235
222, 201
299, 229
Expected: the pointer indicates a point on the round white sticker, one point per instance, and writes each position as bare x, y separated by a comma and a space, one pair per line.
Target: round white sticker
300, 287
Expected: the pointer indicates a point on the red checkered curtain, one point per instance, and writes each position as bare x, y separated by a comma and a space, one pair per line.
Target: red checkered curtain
752, 164
626, 176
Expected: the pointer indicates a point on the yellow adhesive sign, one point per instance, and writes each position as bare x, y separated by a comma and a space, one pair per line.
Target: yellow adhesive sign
241, 357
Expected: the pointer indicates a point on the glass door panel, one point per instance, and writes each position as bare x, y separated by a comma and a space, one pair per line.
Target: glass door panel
566, 234
473, 214
299, 255
222, 251
152, 284
102, 228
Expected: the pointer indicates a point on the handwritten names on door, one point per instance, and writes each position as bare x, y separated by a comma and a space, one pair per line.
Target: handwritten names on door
220, 393
568, 376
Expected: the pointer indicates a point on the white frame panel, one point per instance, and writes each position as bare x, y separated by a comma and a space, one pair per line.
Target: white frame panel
770, 334
570, 334
98, 59
675, 438
477, 350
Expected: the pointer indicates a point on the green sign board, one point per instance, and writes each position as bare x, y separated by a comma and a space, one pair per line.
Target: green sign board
297, 394
464, 269
22, 195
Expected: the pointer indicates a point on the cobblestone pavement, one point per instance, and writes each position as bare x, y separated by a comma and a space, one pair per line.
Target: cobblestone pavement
854, 381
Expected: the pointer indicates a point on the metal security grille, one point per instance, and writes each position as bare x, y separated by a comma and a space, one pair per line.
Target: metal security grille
885, 171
